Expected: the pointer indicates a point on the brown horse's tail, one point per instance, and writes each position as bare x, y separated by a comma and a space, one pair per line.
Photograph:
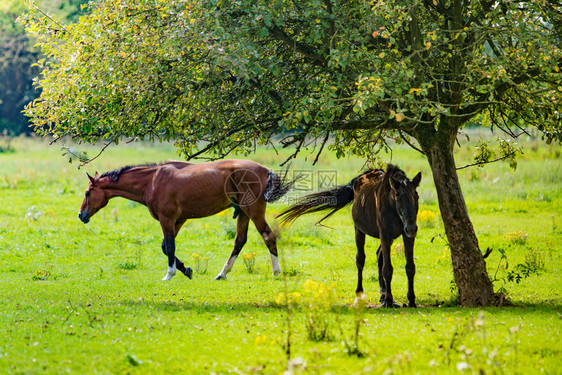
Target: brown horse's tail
334, 199
277, 186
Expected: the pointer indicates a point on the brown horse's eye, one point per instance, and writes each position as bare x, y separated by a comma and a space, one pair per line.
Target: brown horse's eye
87, 194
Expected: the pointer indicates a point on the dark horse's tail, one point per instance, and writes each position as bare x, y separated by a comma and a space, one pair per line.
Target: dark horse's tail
334, 199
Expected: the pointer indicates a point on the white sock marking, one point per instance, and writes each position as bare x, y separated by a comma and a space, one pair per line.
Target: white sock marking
227, 267
360, 301
275, 265
171, 272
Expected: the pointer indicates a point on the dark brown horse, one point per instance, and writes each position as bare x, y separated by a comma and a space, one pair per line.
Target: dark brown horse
385, 206
177, 191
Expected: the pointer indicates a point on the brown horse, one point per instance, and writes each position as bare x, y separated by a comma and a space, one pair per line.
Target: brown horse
177, 191
385, 206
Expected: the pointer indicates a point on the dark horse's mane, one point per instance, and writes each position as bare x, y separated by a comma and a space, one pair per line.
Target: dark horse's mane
339, 197
391, 171
394, 172
113, 176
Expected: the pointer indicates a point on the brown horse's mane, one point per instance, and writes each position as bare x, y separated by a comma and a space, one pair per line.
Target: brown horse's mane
113, 176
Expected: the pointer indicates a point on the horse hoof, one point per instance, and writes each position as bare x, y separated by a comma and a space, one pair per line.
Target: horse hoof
360, 301
189, 272
220, 277
382, 300
392, 305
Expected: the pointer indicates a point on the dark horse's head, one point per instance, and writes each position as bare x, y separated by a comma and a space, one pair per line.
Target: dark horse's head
406, 198
95, 199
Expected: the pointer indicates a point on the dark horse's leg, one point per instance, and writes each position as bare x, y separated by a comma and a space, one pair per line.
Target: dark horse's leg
387, 270
410, 268
169, 249
360, 263
380, 262
239, 242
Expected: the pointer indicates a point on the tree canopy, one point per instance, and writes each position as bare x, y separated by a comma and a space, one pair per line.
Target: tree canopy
233, 73
218, 76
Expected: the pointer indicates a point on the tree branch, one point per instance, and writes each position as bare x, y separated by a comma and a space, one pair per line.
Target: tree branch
471, 110
405, 139
488, 161
297, 150
364, 124
321, 147
301, 48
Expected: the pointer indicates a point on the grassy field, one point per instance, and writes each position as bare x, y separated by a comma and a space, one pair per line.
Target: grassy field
78, 298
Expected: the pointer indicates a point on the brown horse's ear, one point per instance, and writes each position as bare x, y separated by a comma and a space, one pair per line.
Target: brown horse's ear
416, 180
92, 179
97, 174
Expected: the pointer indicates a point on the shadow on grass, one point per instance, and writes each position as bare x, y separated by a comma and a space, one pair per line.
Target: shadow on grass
180, 305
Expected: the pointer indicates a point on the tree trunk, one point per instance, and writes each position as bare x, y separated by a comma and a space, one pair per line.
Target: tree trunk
469, 266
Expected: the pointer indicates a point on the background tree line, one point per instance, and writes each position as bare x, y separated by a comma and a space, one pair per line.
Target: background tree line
18, 54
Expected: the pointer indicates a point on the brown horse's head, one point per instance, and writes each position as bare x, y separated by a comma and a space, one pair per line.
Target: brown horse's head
94, 200
406, 198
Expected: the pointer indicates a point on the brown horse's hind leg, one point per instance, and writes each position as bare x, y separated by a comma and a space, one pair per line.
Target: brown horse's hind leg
360, 263
271, 243
258, 217
239, 241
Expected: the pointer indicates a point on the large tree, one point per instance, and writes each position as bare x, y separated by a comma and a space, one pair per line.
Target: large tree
217, 76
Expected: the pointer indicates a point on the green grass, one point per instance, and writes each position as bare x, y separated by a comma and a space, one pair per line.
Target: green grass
81, 298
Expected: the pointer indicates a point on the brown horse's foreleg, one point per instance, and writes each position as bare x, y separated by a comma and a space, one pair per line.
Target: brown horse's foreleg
187, 271
410, 268
360, 263
170, 246
170, 231
242, 223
